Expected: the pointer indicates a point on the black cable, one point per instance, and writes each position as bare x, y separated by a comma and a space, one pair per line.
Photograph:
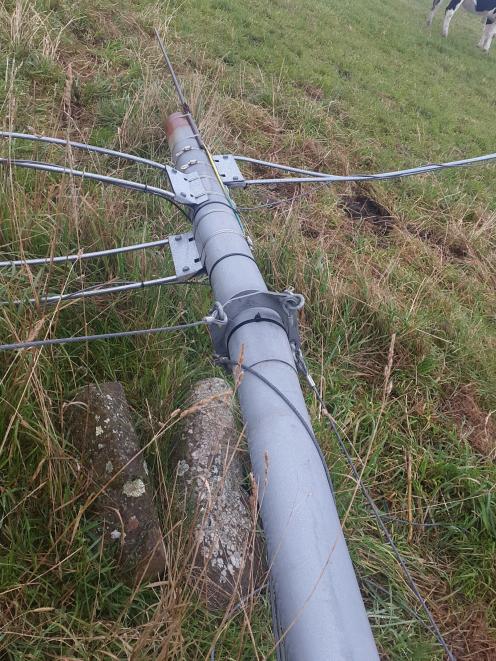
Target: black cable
308, 429
180, 208
378, 515
415, 524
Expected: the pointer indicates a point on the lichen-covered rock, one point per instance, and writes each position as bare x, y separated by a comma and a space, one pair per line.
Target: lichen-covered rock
99, 425
228, 554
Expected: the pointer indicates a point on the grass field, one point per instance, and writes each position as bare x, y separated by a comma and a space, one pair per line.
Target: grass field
408, 265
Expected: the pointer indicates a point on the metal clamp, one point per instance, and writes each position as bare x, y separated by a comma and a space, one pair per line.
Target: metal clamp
249, 308
229, 171
187, 188
187, 165
183, 150
187, 262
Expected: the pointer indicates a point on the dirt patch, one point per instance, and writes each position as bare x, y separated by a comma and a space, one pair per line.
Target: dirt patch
361, 207
455, 248
312, 91
310, 228
470, 638
473, 423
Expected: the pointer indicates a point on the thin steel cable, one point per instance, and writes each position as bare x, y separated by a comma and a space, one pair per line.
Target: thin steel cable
224, 189
278, 166
122, 183
397, 174
277, 203
309, 430
105, 179
179, 91
96, 290
14, 346
62, 259
83, 146
377, 514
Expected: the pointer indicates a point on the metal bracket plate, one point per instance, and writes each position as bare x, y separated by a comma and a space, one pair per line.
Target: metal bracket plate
187, 188
229, 171
187, 262
285, 305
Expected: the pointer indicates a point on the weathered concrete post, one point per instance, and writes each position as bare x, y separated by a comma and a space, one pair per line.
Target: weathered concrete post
99, 424
319, 612
227, 554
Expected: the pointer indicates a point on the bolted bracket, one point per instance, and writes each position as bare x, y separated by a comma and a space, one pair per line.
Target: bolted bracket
280, 308
187, 188
187, 262
229, 171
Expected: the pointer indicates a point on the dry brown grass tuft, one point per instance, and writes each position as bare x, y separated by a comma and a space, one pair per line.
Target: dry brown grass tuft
473, 423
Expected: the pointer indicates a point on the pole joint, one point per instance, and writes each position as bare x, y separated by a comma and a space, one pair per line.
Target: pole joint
255, 307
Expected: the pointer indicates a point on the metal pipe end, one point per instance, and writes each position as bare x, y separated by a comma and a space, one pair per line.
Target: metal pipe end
174, 122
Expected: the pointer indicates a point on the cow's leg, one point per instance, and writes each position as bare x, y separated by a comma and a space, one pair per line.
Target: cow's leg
432, 13
453, 6
482, 41
488, 34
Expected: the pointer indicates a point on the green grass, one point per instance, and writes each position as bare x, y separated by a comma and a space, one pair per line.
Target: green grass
344, 86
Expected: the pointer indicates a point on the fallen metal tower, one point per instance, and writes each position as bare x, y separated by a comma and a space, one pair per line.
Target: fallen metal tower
318, 610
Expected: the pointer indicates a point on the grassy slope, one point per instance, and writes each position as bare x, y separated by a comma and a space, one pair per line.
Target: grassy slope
339, 85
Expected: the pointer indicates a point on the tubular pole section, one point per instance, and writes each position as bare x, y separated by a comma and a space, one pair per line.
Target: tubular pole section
318, 610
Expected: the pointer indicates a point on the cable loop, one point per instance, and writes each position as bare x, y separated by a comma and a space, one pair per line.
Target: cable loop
293, 302
217, 316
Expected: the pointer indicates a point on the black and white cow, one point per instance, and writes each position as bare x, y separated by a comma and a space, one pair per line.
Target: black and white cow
484, 8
